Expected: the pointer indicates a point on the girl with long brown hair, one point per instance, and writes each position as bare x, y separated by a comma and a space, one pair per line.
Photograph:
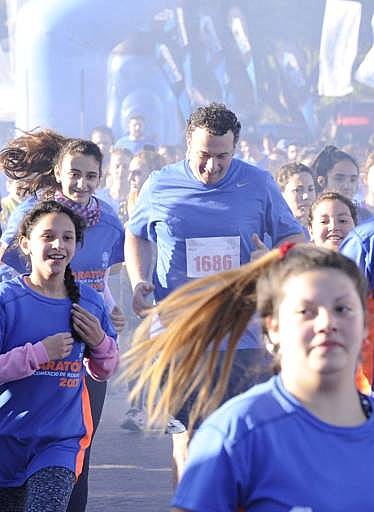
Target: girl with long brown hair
52, 331
253, 452
68, 170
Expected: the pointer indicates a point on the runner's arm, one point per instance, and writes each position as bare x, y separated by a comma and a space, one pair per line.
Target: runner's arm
138, 257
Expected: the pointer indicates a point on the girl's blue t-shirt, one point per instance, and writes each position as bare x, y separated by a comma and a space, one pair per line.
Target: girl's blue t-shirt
263, 451
44, 418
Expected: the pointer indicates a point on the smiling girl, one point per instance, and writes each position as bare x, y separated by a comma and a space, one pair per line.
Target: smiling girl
69, 171
49, 324
304, 440
331, 217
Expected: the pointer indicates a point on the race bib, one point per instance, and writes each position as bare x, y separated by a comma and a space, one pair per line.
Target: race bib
206, 256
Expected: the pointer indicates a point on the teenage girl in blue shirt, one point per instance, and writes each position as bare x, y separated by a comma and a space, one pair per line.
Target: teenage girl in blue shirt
69, 171
52, 331
303, 440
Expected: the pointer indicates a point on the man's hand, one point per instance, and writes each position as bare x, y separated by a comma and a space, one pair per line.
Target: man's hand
139, 300
59, 345
118, 319
260, 247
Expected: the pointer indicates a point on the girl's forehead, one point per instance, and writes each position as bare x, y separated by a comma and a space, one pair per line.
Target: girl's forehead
80, 161
53, 220
327, 283
345, 166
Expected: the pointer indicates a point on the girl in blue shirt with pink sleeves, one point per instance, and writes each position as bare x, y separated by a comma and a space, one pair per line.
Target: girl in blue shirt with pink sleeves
69, 171
52, 331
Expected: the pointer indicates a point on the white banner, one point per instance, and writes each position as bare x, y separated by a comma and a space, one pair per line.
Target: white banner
338, 48
365, 73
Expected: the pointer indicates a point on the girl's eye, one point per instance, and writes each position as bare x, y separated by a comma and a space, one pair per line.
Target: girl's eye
343, 309
305, 311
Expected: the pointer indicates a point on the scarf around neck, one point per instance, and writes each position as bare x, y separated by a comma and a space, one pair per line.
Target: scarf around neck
90, 213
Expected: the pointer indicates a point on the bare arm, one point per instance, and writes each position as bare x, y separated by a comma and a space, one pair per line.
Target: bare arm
138, 257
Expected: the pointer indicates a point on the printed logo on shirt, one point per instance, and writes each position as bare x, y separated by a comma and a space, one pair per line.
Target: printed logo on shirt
68, 372
301, 509
92, 278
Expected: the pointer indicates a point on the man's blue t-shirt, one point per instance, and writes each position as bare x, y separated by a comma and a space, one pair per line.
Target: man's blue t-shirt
359, 247
44, 418
263, 451
102, 245
201, 229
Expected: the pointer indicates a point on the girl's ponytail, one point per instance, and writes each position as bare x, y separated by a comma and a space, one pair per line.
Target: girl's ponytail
189, 327
32, 157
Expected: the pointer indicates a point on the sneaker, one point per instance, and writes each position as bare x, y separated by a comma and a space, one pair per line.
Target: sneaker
134, 420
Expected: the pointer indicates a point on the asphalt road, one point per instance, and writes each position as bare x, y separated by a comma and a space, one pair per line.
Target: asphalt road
129, 471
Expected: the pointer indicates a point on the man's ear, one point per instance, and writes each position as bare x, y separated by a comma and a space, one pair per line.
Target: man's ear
24, 245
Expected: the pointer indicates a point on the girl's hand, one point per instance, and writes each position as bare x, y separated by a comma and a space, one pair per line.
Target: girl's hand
118, 319
87, 326
59, 345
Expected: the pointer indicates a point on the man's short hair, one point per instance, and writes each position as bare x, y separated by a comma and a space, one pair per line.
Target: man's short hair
216, 118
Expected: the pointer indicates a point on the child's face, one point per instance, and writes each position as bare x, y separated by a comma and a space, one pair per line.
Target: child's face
343, 178
51, 245
332, 221
79, 176
119, 168
300, 193
137, 174
320, 326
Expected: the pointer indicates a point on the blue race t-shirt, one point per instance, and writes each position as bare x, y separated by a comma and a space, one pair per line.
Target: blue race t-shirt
202, 229
102, 246
44, 418
359, 247
263, 451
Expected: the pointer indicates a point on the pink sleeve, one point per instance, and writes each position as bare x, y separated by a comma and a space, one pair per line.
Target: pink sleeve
21, 362
103, 359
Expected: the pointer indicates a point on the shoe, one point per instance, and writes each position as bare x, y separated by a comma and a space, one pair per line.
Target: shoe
134, 420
